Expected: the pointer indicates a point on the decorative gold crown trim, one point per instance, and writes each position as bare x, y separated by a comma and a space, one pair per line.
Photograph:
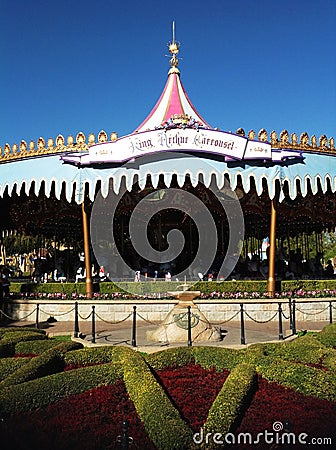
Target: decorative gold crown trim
41, 148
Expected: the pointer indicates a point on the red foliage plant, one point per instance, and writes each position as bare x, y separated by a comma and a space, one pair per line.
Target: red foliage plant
273, 403
192, 389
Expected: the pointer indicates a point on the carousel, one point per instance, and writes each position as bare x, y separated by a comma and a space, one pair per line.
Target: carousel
173, 170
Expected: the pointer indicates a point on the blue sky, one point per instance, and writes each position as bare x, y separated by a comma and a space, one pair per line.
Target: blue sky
70, 65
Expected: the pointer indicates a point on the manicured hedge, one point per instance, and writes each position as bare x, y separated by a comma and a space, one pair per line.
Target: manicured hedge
231, 402
307, 380
49, 362
95, 355
305, 349
5, 330
10, 365
328, 335
36, 347
44, 391
161, 419
149, 287
9, 338
12, 338
207, 357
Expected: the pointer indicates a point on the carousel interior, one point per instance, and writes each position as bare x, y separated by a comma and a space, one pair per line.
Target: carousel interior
35, 227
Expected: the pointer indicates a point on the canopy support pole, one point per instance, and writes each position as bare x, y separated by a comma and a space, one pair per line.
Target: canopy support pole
271, 267
86, 236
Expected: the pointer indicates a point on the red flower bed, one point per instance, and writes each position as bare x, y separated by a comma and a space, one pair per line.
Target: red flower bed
274, 403
25, 355
193, 390
88, 421
93, 420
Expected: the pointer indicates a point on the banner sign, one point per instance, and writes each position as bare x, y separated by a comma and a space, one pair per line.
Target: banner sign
228, 145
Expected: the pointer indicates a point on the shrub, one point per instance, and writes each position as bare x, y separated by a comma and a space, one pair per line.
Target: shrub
206, 357
305, 349
5, 330
14, 337
330, 360
162, 421
218, 358
44, 391
95, 355
328, 335
307, 380
232, 400
10, 365
51, 361
172, 357
36, 347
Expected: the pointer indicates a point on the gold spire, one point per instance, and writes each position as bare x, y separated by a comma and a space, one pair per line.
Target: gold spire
173, 50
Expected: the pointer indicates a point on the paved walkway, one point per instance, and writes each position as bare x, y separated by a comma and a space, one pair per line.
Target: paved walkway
121, 334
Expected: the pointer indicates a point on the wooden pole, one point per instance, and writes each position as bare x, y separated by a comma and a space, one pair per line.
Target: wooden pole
271, 267
86, 236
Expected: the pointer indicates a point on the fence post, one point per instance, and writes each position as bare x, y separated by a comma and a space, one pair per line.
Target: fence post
280, 323
242, 328
290, 314
330, 312
294, 324
76, 330
134, 327
37, 316
93, 329
189, 327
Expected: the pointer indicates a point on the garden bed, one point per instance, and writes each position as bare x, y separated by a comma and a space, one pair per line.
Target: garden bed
170, 398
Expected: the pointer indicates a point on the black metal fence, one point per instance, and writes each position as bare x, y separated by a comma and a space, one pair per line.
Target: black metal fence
278, 314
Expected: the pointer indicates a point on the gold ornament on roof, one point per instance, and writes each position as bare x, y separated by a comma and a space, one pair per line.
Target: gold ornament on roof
174, 48
23, 147
262, 135
102, 136
274, 138
60, 141
91, 139
15, 152
240, 132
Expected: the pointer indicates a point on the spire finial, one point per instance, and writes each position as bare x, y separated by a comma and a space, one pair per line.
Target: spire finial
173, 50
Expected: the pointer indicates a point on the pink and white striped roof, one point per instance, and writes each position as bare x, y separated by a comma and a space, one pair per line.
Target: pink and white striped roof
173, 100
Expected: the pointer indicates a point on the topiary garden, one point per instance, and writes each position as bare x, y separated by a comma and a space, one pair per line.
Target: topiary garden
59, 395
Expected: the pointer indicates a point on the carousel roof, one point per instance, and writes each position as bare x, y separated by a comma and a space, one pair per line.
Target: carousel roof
303, 164
174, 102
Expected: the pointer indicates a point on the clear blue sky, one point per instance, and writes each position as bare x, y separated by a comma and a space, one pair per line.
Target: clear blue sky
79, 65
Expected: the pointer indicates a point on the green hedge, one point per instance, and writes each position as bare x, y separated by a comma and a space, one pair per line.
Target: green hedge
330, 360
49, 362
305, 349
10, 365
307, 380
14, 337
44, 391
23, 340
161, 419
150, 287
36, 347
231, 402
5, 330
328, 335
95, 355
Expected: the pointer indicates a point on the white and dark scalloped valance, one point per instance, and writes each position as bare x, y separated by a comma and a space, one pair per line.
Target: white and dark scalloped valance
314, 172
